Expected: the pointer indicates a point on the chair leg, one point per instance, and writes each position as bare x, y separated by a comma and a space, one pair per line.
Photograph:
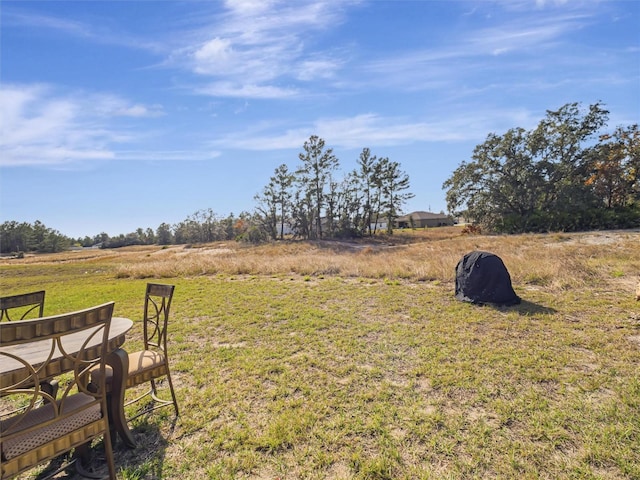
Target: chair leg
154, 389
112, 425
173, 393
108, 450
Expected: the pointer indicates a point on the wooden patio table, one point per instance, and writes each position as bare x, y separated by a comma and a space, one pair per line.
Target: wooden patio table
12, 371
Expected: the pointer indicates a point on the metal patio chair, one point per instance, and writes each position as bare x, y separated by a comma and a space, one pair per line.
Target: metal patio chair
151, 363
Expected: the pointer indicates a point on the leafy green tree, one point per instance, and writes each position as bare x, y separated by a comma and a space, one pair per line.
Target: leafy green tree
629, 142
23, 237
228, 230
532, 180
181, 233
560, 146
102, 238
149, 237
208, 226
87, 241
138, 237
14, 236
248, 228
614, 167
607, 177
243, 225
501, 184
164, 234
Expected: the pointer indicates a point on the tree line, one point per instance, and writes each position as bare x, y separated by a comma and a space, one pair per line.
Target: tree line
563, 175
23, 237
201, 227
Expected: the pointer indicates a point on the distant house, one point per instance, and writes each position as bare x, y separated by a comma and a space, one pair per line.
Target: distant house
424, 219
379, 226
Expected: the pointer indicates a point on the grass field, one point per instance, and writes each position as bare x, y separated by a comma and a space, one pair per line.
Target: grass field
353, 360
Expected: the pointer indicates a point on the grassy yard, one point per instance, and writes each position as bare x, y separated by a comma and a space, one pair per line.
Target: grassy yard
348, 360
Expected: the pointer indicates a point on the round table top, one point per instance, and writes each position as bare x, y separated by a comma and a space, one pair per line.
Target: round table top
36, 352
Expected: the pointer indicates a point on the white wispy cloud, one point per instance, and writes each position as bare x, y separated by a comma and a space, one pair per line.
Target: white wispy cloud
524, 35
14, 16
318, 68
41, 126
478, 43
537, 5
470, 52
231, 89
254, 46
110, 105
167, 155
374, 130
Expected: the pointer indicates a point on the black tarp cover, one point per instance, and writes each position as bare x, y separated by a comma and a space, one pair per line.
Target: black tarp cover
481, 277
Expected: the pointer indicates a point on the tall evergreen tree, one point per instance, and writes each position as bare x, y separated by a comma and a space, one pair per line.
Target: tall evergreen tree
394, 183
283, 182
314, 175
370, 201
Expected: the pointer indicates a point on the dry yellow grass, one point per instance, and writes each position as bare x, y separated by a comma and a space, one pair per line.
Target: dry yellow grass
556, 261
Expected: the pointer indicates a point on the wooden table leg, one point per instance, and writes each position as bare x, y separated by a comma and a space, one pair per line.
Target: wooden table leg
118, 360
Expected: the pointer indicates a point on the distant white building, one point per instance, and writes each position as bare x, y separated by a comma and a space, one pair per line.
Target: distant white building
379, 226
424, 219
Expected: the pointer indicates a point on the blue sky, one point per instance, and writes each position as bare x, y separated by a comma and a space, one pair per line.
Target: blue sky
117, 115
